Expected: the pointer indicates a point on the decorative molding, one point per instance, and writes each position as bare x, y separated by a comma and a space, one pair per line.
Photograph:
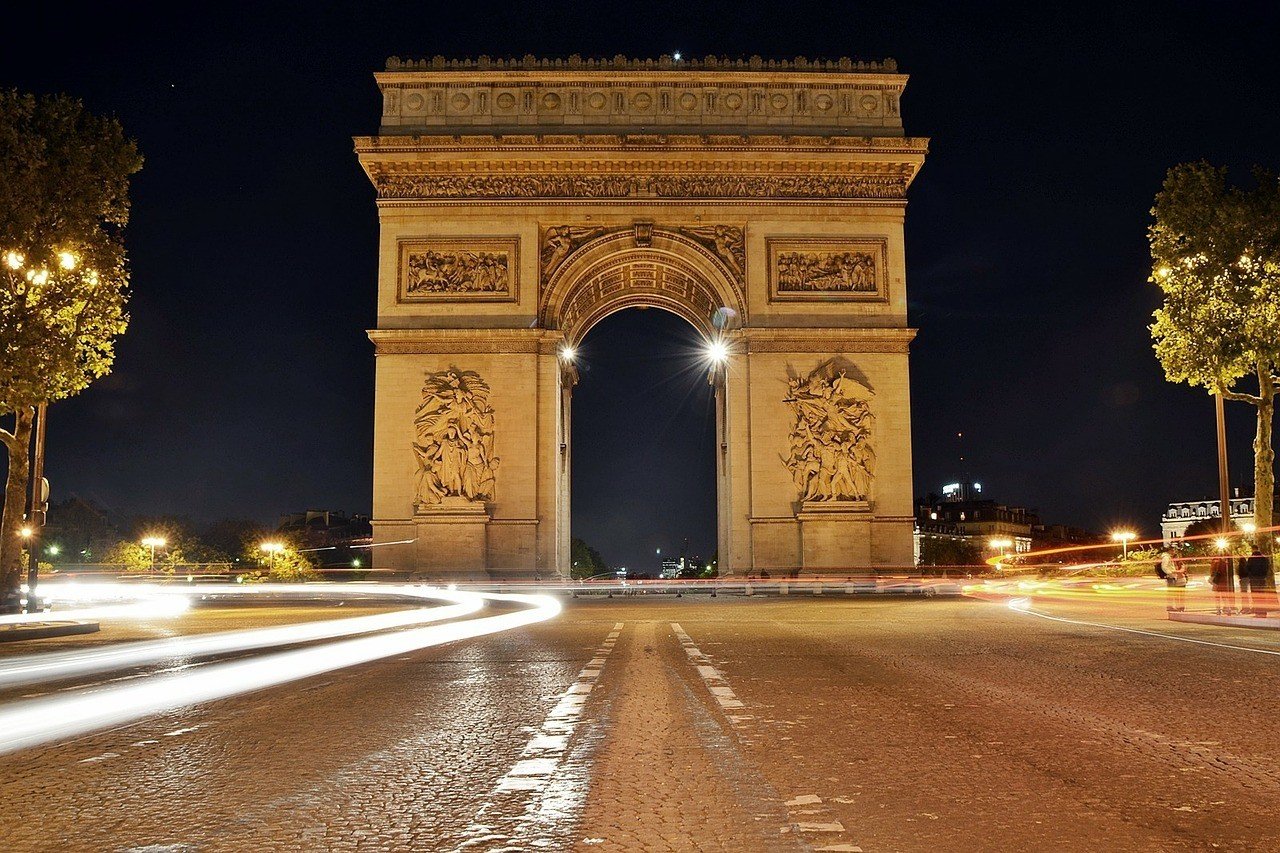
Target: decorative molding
599, 141
451, 341
453, 443
828, 269
827, 340
831, 458
458, 269
560, 241
418, 186
529, 62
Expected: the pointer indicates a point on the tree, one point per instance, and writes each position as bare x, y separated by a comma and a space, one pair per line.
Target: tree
64, 181
285, 564
586, 561
949, 551
1215, 251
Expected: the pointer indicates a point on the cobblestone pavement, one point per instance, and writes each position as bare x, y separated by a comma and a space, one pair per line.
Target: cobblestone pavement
798, 723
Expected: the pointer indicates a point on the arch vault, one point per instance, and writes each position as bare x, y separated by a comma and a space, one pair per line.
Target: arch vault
521, 202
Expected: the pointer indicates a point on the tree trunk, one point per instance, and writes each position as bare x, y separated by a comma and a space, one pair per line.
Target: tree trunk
1264, 459
12, 569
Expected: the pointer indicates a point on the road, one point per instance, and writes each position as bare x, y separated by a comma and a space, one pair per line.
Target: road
788, 723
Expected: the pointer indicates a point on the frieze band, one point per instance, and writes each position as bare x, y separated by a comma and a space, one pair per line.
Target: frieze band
643, 186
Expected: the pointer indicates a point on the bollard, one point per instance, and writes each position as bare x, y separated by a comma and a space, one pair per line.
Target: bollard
817, 588
747, 589
782, 588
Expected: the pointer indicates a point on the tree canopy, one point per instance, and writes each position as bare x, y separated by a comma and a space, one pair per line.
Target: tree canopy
1215, 251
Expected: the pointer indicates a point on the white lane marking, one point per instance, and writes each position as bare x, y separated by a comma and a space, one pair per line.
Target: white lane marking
713, 678
1030, 612
719, 688
545, 800
543, 753
106, 756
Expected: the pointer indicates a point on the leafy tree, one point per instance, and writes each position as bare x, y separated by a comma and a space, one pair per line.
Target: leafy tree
64, 181
586, 561
287, 564
948, 551
1215, 251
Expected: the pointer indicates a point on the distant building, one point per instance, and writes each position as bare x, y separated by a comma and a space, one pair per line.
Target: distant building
682, 567
337, 537
977, 521
1182, 514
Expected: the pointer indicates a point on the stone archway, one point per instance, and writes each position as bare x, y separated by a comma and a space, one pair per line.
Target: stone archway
522, 201
638, 266
650, 267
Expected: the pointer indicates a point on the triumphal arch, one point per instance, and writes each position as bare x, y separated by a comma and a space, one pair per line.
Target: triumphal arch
521, 201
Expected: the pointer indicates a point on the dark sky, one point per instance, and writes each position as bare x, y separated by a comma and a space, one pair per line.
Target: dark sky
244, 385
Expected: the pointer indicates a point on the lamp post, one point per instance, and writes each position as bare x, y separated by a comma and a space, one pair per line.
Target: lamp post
271, 549
153, 542
1224, 498
1001, 544
1124, 537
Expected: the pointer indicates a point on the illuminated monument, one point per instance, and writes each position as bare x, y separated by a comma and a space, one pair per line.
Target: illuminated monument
522, 201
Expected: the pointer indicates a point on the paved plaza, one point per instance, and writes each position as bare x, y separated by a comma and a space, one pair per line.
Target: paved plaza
832, 723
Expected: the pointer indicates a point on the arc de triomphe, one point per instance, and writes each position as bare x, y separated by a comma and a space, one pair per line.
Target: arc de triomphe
521, 201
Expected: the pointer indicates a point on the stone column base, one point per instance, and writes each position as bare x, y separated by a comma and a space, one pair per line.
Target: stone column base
452, 540
835, 536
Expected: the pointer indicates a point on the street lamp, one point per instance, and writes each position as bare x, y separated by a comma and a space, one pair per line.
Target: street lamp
1124, 537
271, 549
1001, 544
153, 542
717, 352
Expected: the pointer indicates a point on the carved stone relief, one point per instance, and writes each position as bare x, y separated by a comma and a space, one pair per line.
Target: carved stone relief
725, 241
453, 441
831, 457
458, 269
825, 269
426, 186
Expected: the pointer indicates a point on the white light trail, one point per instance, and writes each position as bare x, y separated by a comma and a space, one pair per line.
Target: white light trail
35, 721
48, 666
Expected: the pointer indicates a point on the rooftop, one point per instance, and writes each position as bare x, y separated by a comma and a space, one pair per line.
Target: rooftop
529, 62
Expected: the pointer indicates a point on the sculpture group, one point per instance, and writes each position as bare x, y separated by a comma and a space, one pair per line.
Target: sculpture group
456, 272
454, 443
827, 271
831, 456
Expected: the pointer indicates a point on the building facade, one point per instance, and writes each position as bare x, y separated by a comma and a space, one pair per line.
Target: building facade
1182, 514
522, 201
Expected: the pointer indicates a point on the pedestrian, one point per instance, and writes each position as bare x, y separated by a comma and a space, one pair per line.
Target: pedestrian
1220, 568
1255, 570
1174, 575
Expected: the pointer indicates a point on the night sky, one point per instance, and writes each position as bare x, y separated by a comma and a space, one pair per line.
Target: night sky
244, 386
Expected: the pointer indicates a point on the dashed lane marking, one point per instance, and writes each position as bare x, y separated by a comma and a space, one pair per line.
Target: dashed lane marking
714, 679
534, 774
801, 809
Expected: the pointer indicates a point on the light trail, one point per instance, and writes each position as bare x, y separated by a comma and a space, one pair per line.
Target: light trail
1022, 605
48, 666
45, 719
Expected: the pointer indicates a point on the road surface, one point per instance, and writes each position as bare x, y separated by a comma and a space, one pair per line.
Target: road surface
652, 723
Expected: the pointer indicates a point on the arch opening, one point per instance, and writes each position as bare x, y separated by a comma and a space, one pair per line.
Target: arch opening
645, 486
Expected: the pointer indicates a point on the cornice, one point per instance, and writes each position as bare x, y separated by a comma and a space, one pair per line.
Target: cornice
827, 340
615, 143
666, 62
448, 341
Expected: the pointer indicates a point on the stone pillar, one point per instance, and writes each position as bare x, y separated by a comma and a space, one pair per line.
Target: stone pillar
835, 536
452, 540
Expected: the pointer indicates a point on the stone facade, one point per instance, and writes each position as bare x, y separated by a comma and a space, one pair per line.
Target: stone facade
521, 201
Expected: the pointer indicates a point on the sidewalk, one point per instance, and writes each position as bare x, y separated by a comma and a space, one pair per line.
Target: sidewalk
44, 630
1271, 622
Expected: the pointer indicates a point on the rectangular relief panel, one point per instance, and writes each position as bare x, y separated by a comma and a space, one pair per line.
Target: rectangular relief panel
458, 269
828, 269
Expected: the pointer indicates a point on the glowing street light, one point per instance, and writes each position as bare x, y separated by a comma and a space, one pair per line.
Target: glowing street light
717, 352
1000, 544
1124, 537
271, 549
1249, 527
67, 260
26, 532
153, 542
1221, 543
568, 353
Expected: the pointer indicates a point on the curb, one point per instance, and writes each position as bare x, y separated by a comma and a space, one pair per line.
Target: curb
45, 630
1270, 623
